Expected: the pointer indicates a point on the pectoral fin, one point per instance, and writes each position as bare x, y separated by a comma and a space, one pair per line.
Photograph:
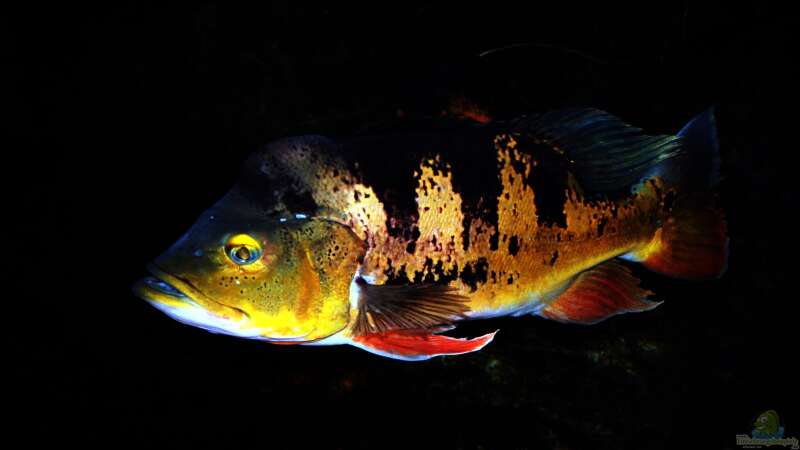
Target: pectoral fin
599, 293
383, 308
417, 345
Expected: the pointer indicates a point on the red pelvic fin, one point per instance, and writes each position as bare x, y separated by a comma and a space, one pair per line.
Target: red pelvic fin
599, 293
693, 244
416, 345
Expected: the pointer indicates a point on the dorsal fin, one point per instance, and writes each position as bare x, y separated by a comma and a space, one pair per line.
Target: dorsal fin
606, 154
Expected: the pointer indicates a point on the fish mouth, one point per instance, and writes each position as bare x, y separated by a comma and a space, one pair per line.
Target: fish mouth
174, 285
179, 299
171, 290
163, 287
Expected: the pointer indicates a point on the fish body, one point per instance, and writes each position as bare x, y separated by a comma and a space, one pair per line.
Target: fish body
385, 241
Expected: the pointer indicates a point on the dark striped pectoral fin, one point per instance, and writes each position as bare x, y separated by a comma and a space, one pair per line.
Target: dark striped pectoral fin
599, 293
383, 308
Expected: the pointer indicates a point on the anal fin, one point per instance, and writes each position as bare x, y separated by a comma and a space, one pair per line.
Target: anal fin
599, 293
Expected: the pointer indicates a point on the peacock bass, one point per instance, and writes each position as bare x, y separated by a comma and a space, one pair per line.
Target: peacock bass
387, 241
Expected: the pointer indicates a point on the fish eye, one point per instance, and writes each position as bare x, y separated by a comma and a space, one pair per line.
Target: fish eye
243, 249
243, 255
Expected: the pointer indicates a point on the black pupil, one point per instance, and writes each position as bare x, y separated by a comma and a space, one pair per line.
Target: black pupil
243, 253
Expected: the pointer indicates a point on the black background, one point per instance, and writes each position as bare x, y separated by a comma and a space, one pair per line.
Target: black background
131, 120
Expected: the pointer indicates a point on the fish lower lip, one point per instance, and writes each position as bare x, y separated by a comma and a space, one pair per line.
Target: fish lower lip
164, 287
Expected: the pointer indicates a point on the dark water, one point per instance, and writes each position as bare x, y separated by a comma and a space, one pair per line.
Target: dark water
135, 119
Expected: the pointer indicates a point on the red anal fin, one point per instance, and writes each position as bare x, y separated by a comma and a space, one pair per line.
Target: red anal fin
691, 245
599, 293
417, 345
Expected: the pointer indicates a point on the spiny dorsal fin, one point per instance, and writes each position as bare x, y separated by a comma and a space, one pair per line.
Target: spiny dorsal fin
606, 154
383, 308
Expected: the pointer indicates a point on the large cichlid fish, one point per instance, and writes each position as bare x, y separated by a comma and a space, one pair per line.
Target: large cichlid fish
385, 242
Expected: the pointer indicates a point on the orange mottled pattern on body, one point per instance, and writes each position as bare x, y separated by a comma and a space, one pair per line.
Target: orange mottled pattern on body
510, 262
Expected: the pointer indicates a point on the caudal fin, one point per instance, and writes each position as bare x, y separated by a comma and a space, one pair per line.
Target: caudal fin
697, 166
693, 241
692, 244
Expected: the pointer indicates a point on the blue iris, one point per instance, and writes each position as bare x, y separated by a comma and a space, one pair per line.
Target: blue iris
243, 254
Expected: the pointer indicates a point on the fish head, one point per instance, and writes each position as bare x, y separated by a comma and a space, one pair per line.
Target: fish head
242, 272
767, 422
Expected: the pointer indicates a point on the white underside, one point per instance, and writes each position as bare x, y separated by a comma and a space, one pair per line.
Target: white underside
196, 316
629, 257
532, 306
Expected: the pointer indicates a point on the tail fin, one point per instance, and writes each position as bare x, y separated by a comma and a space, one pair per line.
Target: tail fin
700, 138
693, 242
696, 168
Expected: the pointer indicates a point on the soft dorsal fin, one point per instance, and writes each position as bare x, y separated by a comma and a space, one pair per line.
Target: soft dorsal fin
606, 154
383, 308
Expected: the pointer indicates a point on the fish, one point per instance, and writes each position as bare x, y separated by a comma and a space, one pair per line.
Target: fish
387, 240
767, 426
